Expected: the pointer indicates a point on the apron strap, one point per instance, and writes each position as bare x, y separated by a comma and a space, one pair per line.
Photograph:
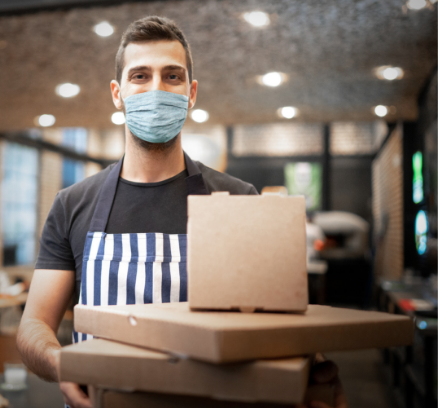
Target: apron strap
195, 182
106, 199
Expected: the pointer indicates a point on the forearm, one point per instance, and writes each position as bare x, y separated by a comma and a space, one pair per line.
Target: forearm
39, 348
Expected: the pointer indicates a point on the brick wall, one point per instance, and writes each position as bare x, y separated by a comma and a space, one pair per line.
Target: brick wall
350, 138
278, 139
387, 185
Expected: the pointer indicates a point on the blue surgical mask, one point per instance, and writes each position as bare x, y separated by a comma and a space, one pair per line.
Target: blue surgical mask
156, 116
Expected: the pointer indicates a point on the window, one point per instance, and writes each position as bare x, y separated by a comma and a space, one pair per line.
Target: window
73, 170
19, 197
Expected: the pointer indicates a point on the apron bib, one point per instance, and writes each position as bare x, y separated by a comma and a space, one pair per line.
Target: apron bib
124, 269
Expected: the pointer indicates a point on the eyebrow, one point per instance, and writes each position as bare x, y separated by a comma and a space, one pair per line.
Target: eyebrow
149, 69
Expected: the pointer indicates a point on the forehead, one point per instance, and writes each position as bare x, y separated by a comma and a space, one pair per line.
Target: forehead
155, 54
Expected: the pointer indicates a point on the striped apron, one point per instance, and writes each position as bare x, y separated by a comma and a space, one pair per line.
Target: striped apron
124, 269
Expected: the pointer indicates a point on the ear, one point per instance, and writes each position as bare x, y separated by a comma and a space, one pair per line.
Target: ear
193, 93
116, 94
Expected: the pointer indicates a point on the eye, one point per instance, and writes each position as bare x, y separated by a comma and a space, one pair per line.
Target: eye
174, 76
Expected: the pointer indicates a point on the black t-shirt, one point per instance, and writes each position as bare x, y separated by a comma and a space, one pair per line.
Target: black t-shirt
150, 207
137, 208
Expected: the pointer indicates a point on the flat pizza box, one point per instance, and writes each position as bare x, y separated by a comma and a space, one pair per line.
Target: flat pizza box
247, 252
108, 364
117, 399
221, 337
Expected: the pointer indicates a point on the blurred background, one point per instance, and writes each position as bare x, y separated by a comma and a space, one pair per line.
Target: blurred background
333, 99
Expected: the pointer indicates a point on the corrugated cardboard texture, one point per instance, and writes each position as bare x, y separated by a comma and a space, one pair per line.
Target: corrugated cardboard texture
247, 252
108, 364
227, 336
114, 399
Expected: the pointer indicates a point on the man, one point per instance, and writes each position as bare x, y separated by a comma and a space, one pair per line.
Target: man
99, 230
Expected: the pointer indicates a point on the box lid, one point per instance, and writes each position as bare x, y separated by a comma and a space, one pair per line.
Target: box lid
247, 252
107, 364
229, 336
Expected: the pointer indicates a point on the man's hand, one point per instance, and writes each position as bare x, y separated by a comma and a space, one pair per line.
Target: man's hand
326, 372
74, 397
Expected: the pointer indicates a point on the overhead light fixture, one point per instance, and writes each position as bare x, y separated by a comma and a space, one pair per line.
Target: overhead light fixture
287, 112
381, 110
416, 4
104, 29
272, 79
45, 120
200, 116
118, 118
67, 90
257, 18
389, 72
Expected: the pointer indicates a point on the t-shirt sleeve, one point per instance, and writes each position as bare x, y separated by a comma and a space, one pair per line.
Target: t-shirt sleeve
252, 190
55, 249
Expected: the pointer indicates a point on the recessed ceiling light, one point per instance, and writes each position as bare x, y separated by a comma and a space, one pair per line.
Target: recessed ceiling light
67, 90
45, 120
287, 112
200, 116
104, 29
118, 118
257, 18
381, 110
389, 72
416, 4
272, 79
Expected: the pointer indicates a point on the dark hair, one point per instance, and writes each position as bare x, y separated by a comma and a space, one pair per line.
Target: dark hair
152, 28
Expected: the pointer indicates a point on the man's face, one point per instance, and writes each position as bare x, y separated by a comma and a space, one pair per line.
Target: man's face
154, 65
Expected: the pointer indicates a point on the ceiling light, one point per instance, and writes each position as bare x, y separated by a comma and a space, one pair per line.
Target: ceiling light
257, 18
118, 118
389, 73
200, 116
287, 112
381, 110
104, 29
272, 79
45, 120
416, 4
67, 90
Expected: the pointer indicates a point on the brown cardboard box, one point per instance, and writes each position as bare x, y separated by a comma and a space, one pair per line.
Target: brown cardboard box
228, 336
117, 399
107, 364
247, 253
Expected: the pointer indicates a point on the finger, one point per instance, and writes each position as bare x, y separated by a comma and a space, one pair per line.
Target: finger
324, 372
319, 358
318, 404
340, 398
74, 396
79, 403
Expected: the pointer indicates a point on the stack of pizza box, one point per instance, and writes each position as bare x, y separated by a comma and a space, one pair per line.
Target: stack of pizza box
245, 338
